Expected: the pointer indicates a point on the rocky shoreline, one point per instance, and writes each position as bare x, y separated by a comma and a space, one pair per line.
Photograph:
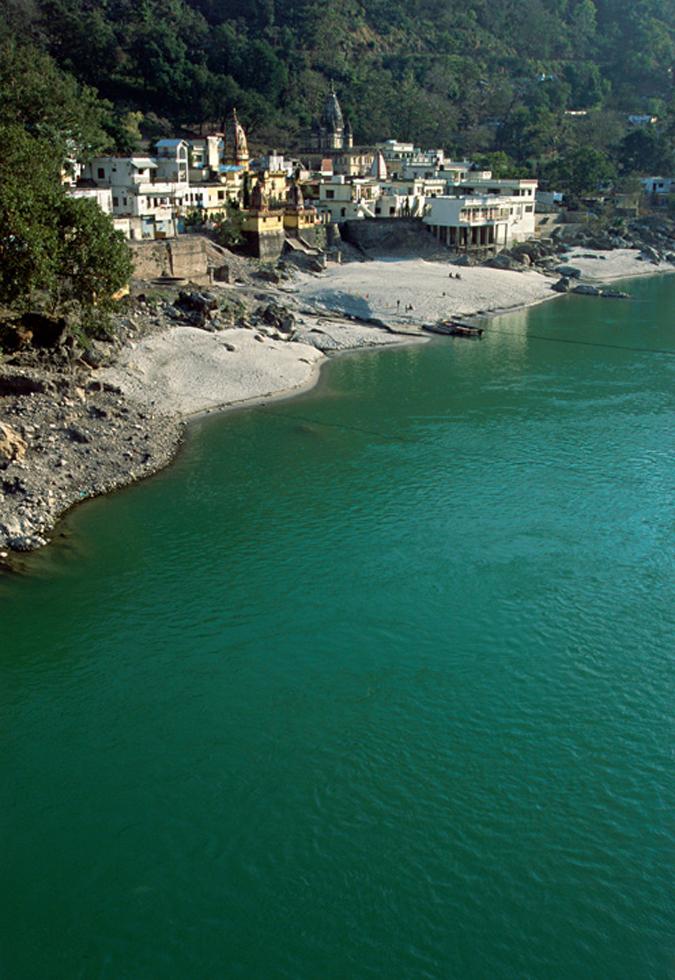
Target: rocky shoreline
79, 421
66, 437
69, 431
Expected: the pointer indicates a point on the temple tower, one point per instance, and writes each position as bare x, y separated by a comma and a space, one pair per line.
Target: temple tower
236, 144
332, 125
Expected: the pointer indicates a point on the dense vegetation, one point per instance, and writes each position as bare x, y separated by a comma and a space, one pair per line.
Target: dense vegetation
430, 69
475, 76
57, 253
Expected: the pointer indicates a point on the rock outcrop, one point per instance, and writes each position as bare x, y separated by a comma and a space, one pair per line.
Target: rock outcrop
12, 445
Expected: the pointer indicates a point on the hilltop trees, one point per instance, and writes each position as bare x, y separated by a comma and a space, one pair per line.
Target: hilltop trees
443, 69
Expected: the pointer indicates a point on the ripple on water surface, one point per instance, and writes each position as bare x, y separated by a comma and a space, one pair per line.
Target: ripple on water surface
377, 684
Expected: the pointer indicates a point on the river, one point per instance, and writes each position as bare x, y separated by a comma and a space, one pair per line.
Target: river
374, 683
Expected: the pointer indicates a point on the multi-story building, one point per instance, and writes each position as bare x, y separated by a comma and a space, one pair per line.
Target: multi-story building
477, 222
347, 198
147, 203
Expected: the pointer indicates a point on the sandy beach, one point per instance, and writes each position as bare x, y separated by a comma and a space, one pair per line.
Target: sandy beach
607, 266
414, 291
187, 371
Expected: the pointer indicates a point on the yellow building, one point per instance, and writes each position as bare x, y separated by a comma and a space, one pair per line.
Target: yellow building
299, 222
264, 232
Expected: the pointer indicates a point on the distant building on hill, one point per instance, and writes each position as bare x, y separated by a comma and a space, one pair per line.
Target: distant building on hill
331, 131
658, 187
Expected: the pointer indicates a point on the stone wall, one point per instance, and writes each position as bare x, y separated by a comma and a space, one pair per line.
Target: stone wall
384, 235
184, 258
266, 246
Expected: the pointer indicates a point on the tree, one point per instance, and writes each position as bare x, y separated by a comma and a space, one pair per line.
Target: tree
92, 261
500, 164
579, 171
56, 252
228, 226
646, 151
49, 103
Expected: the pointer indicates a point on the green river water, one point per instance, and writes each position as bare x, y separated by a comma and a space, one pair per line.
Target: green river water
374, 683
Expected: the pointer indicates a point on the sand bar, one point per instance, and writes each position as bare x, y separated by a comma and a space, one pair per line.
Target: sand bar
387, 289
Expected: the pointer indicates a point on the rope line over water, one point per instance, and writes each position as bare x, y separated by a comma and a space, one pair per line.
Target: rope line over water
489, 330
582, 343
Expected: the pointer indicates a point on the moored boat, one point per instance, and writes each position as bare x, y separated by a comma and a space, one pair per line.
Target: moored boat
451, 328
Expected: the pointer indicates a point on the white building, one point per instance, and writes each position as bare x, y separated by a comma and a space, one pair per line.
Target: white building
345, 198
173, 160
139, 194
466, 223
475, 222
102, 196
518, 195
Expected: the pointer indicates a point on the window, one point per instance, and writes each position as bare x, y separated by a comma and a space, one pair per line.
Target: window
330, 195
101, 173
343, 212
392, 210
528, 208
124, 201
221, 195
115, 202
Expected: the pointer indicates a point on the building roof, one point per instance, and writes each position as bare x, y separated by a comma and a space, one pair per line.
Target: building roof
230, 168
143, 162
170, 142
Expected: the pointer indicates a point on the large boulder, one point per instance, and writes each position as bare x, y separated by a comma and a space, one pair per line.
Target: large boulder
523, 257
570, 271
584, 289
562, 285
528, 252
504, 261
278, 317
12, 445
650, 254
203, 303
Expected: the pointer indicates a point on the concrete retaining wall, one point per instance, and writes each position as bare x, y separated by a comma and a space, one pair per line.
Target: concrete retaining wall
182, 257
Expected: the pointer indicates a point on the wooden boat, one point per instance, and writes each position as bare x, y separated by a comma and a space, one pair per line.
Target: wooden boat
452, 328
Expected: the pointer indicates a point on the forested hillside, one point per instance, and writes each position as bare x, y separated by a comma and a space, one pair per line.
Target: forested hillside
474, 76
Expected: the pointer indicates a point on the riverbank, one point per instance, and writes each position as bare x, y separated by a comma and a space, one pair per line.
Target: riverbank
76, 430
605, 265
